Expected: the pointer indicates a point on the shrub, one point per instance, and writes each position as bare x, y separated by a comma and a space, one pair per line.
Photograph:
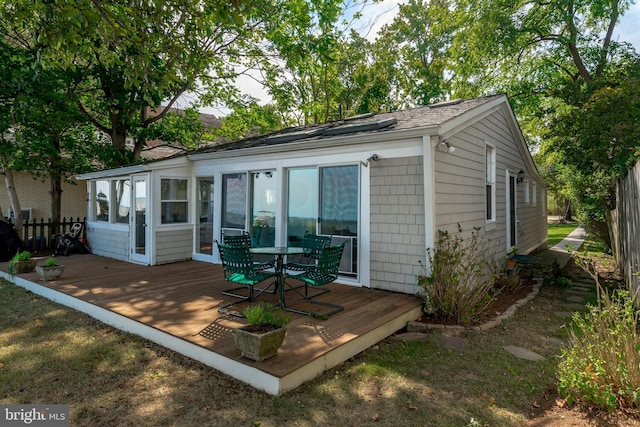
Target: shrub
51, 262
19, 256
263, 314
602, 364
460, 279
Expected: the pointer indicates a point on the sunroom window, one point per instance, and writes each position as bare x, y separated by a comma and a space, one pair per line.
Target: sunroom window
174, 205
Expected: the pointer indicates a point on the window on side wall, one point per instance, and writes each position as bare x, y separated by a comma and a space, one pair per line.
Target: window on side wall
526, 192
102, 200
111, 201
174, 205
533, 195
490, 178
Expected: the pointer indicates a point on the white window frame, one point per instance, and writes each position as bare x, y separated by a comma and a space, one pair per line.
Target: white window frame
526, 192
534, 194
173, 199
490, 182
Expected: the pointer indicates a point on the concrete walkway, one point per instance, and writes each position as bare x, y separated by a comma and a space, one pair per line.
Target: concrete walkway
549, 262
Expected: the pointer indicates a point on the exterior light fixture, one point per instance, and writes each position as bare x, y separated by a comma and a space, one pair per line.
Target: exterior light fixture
372, 158
445, 145
520, 177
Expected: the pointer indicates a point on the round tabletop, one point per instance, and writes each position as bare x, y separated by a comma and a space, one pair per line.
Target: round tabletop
277, 250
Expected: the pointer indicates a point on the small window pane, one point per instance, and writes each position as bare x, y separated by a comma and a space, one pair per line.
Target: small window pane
174, 205
234, 201
103, 197
173, 189
123, 200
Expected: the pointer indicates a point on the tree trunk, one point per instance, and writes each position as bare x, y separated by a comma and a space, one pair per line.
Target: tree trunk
567, 215
56, 201
13, 197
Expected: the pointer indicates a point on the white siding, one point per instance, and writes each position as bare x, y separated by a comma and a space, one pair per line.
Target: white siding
174, 245
109, 243
397, 224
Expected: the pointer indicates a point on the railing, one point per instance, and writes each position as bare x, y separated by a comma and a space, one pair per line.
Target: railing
40, 235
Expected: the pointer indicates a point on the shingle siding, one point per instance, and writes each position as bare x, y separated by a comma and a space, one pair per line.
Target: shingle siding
174, 245
109, 243
397, 223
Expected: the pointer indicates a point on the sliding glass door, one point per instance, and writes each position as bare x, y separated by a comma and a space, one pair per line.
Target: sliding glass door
325, 201
302, 212
339, 211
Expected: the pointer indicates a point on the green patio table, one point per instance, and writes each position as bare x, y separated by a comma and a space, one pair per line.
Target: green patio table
278, 252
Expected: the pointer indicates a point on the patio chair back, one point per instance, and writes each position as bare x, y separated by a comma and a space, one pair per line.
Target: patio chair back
240, 240
313, 244
239, 267
315, 277
326, 270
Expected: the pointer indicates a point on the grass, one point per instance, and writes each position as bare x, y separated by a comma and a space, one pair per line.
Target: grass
53, 354
557, 232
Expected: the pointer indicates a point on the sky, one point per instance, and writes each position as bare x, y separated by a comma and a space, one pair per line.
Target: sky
375, 16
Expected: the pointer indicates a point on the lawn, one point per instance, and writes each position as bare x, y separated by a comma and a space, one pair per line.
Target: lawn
53, 354
557, 232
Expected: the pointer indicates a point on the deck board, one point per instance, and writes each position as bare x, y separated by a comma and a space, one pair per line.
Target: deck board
182, 298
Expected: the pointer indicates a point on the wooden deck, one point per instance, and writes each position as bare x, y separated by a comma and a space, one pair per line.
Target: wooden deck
175, 305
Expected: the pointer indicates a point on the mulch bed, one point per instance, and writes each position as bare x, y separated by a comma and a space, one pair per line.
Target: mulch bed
505, 299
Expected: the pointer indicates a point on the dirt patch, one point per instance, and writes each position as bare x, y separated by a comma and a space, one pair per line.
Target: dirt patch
551, 409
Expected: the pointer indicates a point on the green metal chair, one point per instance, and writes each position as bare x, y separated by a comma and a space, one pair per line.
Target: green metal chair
240, 269
245, 240
315, 277
312, 245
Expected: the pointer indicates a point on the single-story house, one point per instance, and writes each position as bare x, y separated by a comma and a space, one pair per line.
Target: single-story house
382, 183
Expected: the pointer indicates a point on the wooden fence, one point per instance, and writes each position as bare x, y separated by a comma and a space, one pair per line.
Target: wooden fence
40, 235
625, 228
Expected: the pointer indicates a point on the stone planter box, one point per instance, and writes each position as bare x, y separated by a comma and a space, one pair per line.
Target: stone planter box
50, 273
25, 266
259, 347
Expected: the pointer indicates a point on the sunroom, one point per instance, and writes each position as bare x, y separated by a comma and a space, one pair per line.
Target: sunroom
176, 209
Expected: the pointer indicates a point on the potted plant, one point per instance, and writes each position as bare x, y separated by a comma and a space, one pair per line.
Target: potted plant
22, 263
51, 270
264, 334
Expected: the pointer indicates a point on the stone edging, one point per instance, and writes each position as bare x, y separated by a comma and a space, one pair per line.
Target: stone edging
415, 326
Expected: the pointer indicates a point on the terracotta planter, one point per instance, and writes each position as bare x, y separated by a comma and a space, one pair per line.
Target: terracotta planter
25, 266
511, 264
50, 273
259, 347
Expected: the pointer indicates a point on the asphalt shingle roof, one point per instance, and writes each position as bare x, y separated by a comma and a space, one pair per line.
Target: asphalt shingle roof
424, 116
